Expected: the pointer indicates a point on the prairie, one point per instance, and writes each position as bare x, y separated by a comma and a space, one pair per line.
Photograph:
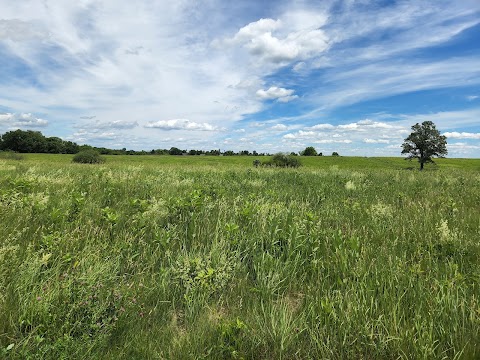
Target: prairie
163, 257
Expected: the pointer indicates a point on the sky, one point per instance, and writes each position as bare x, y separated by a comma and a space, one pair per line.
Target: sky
350, 76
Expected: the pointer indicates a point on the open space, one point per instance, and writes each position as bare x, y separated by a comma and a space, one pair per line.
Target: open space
165, 257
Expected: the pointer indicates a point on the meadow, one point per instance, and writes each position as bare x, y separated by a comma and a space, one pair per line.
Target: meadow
163, 257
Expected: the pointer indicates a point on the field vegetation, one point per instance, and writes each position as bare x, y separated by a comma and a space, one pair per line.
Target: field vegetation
167, 257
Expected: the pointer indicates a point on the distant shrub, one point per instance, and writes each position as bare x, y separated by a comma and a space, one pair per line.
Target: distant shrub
11, 155
256, 162
283, 160
335, 154
88, 157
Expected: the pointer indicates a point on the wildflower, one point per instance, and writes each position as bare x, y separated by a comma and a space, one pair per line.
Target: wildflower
444, 231
350, 186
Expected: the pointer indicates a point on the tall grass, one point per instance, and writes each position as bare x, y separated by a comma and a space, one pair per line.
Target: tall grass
156, 259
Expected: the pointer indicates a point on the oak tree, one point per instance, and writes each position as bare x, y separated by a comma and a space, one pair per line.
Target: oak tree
424, 143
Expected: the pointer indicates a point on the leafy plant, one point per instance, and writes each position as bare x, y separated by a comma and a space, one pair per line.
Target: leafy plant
283, 160
88, 157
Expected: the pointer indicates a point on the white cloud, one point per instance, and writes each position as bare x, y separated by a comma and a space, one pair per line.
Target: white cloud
353, 132
472, 97
22, 120
181, 124
366, 125
255, 29
104, 136
286, 99
376, 141
331, 141
322, 127
274, 92
301, 134
117, 124
279, 42
279, 127
462, 135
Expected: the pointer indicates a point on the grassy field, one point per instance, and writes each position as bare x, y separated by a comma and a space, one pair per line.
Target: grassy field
159, 257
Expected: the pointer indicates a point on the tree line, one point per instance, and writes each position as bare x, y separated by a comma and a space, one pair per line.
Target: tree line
29, 141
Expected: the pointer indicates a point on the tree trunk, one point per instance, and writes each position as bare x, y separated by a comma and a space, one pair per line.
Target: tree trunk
421, 165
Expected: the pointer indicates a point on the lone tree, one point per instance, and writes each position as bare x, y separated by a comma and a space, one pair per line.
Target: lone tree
309, 151
424, 143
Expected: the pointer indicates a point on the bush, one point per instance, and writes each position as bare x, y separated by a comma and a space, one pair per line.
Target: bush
282, 160
88, 157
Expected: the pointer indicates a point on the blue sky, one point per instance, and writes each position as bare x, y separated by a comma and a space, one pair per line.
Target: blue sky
350, 76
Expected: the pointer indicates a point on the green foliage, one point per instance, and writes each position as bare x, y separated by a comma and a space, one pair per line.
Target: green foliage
424, 143
335, 153
309, 151
88, 157
34, 142
283, 160
175, 151
230, 335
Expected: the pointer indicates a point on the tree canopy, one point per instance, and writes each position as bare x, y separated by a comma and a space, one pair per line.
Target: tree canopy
309, 151
34, 142
424, 143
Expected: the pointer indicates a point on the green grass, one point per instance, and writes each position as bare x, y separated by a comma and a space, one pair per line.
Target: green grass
163, 257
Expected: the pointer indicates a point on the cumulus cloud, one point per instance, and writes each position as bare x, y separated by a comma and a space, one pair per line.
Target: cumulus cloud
181, 124
376, 141
22, 120
279, 127
276, 93
301, 134
322, 127
364, 131
273, 41
104, 136
354, 127
365, 125
461, 149
331, 141
462, 135
255, 29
